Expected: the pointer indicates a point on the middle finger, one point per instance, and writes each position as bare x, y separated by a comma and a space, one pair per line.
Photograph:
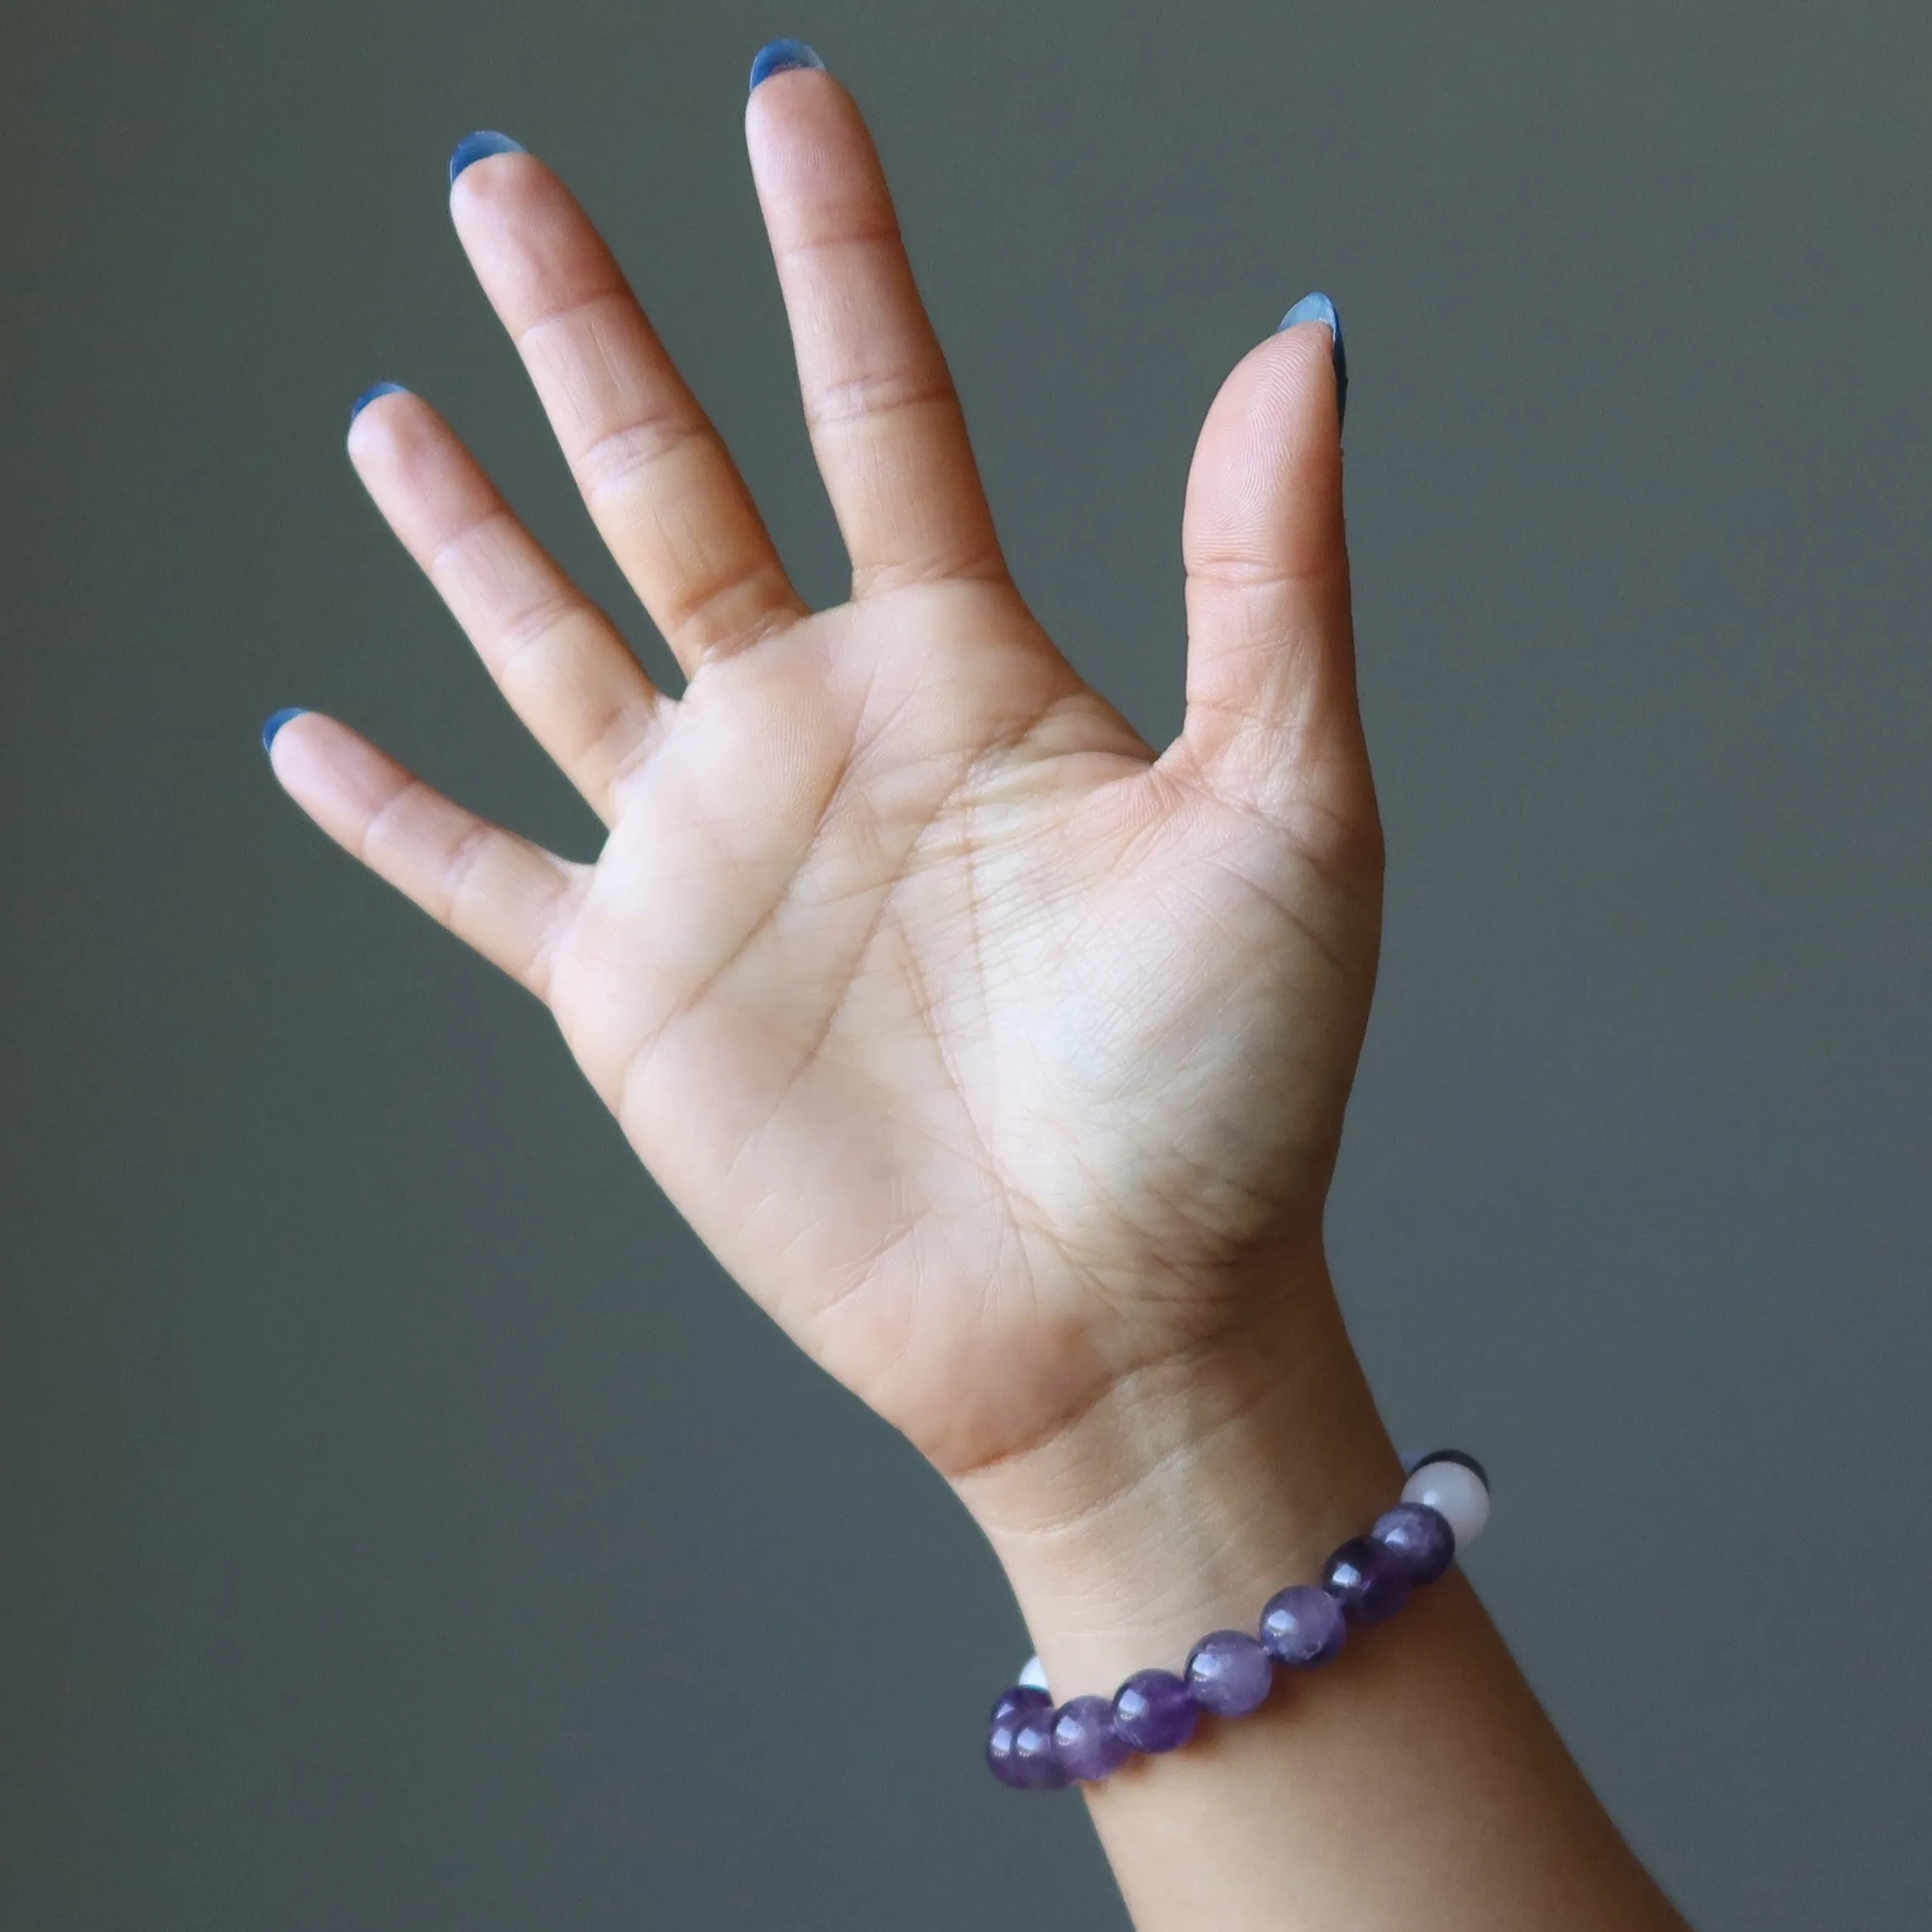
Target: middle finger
655, 475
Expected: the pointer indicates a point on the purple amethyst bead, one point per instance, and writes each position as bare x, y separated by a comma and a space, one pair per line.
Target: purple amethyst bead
1021, 1698
1036, 1764
1084, 1741
1304, 1627
1003, 1734
1368, 1581
1229, 1673
1419, 1537
1153, 1711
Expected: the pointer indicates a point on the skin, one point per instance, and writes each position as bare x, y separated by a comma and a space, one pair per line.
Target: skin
1002, 1058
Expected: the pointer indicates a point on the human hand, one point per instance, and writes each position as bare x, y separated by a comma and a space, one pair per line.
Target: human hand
1001, 1060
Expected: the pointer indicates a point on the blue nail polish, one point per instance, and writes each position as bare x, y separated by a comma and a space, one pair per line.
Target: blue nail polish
479, 146
1317, 308
277, 721
783, 57
370, 394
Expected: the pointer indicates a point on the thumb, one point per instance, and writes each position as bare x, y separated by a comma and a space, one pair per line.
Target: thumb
1272, 715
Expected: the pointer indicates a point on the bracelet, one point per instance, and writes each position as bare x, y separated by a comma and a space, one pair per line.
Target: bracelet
1033, 1744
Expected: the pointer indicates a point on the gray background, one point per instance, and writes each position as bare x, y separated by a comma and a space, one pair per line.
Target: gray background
401, 1522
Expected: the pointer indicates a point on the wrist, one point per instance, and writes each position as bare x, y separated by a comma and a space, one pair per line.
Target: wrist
1189, 1495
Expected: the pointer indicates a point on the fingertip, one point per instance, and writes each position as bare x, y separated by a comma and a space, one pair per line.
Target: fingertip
784, 56
277, 721
304, 749
1312, 308
327, 769
809, 144
481, 146
1320, 308
1265, 491
482, 198
380, 429
779, 115
1275, 412
374, 393
520, 226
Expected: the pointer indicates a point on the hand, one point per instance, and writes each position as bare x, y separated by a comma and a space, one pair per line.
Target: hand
1003, 1061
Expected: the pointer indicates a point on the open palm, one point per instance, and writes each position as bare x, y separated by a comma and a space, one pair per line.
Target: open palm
997, 1056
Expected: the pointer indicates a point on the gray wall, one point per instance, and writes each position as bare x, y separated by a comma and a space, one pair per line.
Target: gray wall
401, 1523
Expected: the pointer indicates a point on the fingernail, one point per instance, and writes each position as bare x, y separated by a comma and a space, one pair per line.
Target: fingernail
277, 721
479, 146
782, 57
1317, 308
370, 394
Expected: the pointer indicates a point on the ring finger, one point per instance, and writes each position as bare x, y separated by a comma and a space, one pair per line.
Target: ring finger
563, 666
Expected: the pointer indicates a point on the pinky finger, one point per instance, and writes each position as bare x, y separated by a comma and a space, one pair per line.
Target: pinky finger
507, 898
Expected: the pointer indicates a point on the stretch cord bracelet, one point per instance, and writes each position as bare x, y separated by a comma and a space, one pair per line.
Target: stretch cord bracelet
1034, 1745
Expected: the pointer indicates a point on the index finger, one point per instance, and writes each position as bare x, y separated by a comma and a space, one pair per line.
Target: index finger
885, 420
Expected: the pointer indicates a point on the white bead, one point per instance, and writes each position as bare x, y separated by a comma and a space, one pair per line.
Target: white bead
1457, 1493
1033, 1677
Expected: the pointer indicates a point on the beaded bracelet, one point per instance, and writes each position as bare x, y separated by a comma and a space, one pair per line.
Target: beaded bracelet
1033, 1744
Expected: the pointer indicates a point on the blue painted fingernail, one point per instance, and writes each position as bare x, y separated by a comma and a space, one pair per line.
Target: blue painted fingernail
370, 394
479, 146
782, 57
277, 721
1317, 308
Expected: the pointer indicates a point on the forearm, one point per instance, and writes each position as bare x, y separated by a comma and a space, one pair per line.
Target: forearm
1416, 1783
